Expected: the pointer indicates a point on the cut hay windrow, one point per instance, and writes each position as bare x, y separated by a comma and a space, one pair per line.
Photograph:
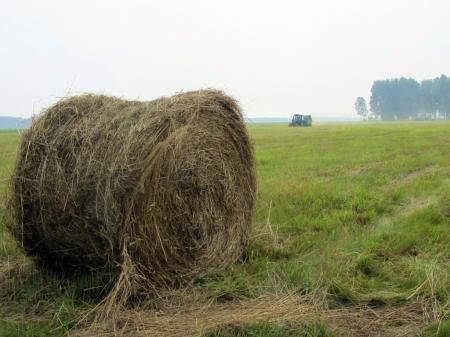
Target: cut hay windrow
153, 193
204, 320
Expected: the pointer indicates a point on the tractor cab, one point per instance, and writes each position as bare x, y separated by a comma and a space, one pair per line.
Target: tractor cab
301, 120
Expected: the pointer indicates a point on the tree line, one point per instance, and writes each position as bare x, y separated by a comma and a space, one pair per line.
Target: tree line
407, 99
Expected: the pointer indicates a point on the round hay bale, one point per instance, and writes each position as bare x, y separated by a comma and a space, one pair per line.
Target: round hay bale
162, 190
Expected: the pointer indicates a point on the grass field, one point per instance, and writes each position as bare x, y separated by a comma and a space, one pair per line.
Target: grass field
347, 216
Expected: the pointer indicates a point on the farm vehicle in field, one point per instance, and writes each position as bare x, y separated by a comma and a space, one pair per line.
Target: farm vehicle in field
301, 120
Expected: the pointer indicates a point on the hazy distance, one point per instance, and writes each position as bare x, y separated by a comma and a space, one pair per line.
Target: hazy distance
276, 57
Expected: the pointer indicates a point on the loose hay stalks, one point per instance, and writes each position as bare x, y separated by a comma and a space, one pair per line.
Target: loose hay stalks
195, 319
185, 313
153, 193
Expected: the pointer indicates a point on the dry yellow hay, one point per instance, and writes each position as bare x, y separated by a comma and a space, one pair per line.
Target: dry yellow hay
152, 193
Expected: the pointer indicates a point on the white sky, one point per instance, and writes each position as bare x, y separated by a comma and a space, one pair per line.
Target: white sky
276, 57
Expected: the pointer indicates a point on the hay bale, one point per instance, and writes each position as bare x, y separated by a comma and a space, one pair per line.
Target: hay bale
158, 191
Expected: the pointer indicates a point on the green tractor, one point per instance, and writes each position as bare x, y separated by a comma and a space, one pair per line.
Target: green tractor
301, 120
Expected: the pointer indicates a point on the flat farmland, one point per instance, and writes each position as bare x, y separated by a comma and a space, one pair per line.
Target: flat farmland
351, 218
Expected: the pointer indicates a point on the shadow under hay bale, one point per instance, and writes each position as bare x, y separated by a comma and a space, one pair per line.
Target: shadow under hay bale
151, 192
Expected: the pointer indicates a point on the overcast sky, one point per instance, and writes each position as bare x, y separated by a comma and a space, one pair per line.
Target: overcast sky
276, 57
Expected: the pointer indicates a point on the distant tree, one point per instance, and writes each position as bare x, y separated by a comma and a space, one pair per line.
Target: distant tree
361, 107
383, 103
396, 99
409, 98
441, 91
428, 105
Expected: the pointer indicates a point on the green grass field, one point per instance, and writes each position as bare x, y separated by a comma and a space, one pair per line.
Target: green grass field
347, 215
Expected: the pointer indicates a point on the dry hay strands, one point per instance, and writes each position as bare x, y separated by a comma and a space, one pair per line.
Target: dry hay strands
154, 193
196, 320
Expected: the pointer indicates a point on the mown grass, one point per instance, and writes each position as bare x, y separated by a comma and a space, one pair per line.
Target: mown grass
347, 214
271, 330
